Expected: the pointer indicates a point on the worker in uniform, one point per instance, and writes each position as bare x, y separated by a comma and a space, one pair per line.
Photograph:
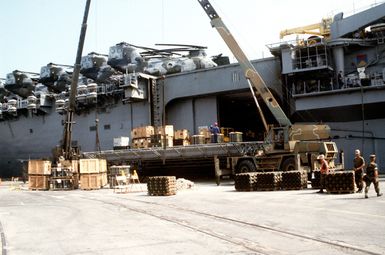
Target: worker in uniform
359, 164
324, 169
372, 176
214, 129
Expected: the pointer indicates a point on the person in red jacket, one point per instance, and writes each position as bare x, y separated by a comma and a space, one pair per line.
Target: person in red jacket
324, 169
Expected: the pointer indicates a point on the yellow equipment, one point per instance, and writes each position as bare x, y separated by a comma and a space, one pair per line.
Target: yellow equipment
322, 29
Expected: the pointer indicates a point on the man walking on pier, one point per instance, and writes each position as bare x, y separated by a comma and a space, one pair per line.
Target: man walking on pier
359, 164
372, 176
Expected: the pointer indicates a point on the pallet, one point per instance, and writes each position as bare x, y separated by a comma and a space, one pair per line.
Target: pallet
161, 186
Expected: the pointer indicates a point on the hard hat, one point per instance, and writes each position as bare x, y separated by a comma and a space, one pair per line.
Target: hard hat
321, 156
357, 152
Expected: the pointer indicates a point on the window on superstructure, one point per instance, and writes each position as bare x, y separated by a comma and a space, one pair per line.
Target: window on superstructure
31, 131
92, 128
107, 127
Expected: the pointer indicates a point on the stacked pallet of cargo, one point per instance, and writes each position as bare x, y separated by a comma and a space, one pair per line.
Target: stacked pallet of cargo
316, 179
181, 137
235, 137
294, 180
39, 172
141, 137
65, 176
340, 182
161, 185
245, 181
164, 136
205, 132
93, 173
268, 181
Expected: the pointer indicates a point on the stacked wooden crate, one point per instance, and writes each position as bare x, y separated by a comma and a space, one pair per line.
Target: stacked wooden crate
141, 137
93, 173
181, 137
164, 136
39, 172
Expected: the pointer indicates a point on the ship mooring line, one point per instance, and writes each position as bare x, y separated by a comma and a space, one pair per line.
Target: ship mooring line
3, 243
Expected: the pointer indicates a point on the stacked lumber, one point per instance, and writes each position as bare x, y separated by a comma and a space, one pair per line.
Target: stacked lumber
39, 172
268, 181
294, 180
340, 182
161, 185
245, 181
93, 173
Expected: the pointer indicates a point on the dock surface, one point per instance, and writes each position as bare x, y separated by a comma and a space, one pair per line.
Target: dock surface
207, 219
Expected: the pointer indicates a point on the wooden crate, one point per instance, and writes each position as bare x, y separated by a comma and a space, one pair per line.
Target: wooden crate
92, 166
90, 181
39, 167
182, 134
72, 165
181, 142
204, 130
141, 143
38, 182
104, 179
102, 166
142, 132
167, 130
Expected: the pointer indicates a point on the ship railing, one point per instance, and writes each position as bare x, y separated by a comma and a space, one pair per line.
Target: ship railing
346, 84
179, 152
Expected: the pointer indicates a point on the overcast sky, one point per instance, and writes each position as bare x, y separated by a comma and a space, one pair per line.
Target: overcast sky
37, 32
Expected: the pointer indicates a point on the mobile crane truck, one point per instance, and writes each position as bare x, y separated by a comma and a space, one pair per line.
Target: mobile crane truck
286, 146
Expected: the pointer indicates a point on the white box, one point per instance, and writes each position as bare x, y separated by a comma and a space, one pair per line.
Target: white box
121, 141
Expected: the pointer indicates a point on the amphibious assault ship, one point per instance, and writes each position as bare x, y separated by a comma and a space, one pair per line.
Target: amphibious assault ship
336, 77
